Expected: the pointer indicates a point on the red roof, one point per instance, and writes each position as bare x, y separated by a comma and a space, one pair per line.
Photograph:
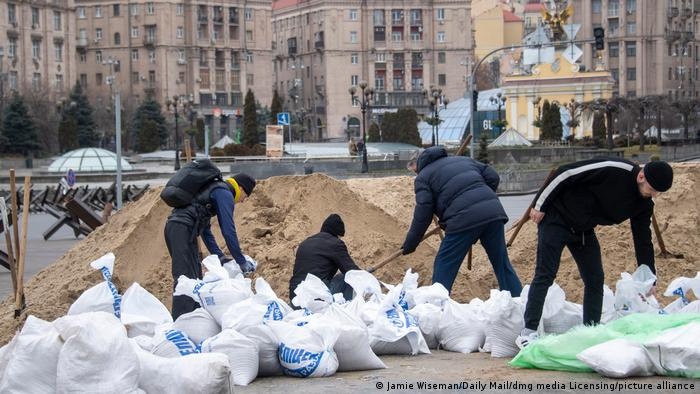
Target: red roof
279, 4
511, 17
533, 7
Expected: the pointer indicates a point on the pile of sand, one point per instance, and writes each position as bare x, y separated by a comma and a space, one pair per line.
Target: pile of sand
285, 210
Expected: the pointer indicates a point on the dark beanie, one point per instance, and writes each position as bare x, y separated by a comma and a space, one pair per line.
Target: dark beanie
659, 174
245, 182
333, 225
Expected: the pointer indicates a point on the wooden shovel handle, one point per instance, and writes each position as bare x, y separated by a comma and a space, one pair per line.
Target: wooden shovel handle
400, 251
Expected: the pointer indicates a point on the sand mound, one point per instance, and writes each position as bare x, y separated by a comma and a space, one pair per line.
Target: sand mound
285, 210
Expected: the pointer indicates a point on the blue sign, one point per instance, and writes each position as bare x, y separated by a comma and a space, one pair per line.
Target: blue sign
283, 119
70, 178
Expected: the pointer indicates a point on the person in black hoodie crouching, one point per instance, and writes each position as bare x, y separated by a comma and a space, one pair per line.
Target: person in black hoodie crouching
322, 255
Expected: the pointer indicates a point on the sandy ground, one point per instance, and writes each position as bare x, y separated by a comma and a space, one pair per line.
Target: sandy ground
285, 210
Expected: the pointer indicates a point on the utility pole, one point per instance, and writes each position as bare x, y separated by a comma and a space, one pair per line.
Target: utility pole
114, 86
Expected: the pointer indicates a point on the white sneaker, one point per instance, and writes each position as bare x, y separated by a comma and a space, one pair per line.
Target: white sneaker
525, 340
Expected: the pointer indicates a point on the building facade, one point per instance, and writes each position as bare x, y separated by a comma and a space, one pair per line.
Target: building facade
651, 45
322, 48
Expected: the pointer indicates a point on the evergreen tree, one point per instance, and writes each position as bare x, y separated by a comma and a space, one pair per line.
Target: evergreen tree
275, 107
250, 121
546, 122
599, 130
557, 131
67, 134
482, 154
150, 110
263, 116
390, 127
199, 135
148, 138
408, 126
18, 129
373, 133
81, 112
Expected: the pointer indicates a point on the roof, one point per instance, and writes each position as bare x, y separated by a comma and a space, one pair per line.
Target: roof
225, 140
279, 4
511, 17
88, 160
510, 137
533, 7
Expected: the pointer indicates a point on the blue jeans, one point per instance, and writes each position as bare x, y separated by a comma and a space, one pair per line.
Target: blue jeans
455, 246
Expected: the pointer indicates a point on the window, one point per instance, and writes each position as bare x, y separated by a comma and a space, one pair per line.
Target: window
249, 58
378, 17
98, 33
631, 6
440, 14
98, 79
57, 21
180, 9
249, 35
12, 80
353, 37
670, 73
134, 31
115, 9
35, 17
248, 14
596, 6
381, 57
181, 76
442, 79
150, 8
631, 48
397, 36
631, 28
151, 56
249, 80
354, 58
614, 49
152, 77
354, 80
181, 55
396, 17
12, 48
134, 77
83, 80
82, 57
631, 74
98, 11
441, 36
98, 57
134, 54
59, 82
180, 32
36, 81
353, 14
58, 51
36, 49
117, 39
81, 12
615, 73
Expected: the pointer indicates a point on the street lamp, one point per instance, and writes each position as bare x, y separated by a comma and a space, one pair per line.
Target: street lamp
186, 103
500, 101
2, 83
435, 99
366, 96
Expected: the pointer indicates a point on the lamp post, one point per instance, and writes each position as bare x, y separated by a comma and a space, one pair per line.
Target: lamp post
435, 99
301, 116
367, 93
186, 103
2, 83
500, 101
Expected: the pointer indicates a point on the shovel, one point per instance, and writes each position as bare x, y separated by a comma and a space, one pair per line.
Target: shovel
400, 251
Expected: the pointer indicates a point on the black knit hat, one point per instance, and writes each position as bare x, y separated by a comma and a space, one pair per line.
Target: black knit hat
659, 175
333, 225
245, 182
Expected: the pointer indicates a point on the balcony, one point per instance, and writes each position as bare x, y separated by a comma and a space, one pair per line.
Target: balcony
81, 42
235, 65
673, 12
202, 18
149, 41
417, 22
233, 19
417, 65
687, 13
218, 19
380, 66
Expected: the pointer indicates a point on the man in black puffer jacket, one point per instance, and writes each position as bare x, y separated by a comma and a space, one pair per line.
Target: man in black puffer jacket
462, 193
322, 255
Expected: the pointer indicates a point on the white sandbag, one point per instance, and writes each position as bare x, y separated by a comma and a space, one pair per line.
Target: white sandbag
101, 297
568, 317
631, 292
241, 351
352, 346
144, 342
6, 354
676, 306
363, 283
428, 317
96, 357
306, 352
172, 343
312, 294
410, 284
505, 321
618, 358
198, 325
261, 307
460, 330
193, 374
364, 310
33, 362
394, 330
435, 294
268, 345
142, 312
693, 307
609, 312
676, 351
277, 308
682, 286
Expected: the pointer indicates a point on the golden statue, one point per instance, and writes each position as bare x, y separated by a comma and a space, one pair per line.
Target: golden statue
555, 15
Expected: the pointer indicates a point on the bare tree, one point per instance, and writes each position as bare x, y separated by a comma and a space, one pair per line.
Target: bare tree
688, 110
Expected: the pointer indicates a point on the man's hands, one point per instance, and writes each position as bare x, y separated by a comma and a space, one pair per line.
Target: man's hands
536, 216
249, 265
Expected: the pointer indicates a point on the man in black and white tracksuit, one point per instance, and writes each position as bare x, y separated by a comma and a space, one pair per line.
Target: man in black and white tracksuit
579, 197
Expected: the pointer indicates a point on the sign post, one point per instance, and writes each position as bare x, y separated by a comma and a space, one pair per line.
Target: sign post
283, 120
70, 177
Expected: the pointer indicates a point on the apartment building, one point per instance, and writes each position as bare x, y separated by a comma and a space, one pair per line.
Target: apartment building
37, 41
208, 52
651, 45
322, 48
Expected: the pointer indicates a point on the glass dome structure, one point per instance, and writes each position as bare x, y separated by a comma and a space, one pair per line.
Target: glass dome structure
88, 160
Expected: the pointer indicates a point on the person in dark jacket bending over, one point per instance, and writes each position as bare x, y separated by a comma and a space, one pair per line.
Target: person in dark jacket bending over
577, 198
462, 193
322, 255
185, 224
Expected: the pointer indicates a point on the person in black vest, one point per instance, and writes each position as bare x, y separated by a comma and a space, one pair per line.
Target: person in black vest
185, 224
462, 193
577, 198
322, 255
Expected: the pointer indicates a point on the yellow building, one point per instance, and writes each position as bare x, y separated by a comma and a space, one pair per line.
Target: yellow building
495, 28
558, 82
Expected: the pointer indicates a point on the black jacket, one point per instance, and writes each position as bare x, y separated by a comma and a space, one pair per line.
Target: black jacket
322, 254
601, 191
459, 190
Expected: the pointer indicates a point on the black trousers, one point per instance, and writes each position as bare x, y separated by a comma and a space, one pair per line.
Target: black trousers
181, 240
553, 235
